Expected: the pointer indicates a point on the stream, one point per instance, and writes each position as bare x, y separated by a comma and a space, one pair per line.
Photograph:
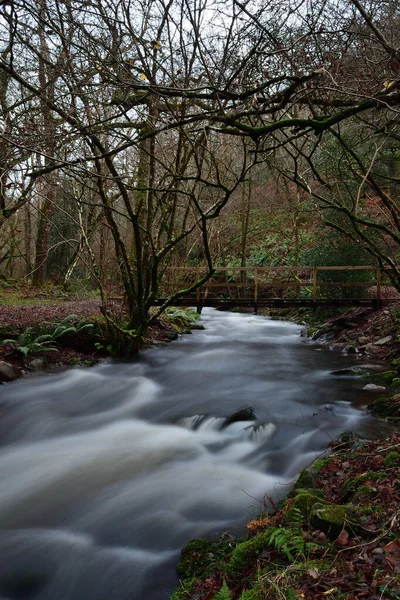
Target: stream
106, 472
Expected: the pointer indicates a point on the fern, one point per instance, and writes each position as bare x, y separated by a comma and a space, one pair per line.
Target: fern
289, 541
224, 593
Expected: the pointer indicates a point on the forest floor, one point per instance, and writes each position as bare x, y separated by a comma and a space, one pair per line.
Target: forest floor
337, 536
23, 307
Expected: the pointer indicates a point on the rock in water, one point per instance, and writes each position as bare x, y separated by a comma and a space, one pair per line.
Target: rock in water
8, 372
244, 414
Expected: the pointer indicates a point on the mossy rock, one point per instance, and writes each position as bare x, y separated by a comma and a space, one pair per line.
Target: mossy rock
351, 440
395, 364
383, 378
355, 371
302, 504
349, 488
305, 481
391, 459
382, 407
245, 555
196, 557
331, 518
363, 493
353, 485
319, 464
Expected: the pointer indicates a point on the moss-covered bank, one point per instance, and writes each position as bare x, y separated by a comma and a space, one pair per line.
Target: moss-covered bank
336, 536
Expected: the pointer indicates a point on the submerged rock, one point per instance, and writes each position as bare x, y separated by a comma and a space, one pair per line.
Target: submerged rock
356, 371
244, 414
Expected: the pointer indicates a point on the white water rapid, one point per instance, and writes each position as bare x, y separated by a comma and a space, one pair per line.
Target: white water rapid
107, 472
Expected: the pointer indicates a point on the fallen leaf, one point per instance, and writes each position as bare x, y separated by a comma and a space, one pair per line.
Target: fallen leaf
314, 573
343, 538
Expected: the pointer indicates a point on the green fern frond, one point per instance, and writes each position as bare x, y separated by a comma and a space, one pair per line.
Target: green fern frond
224, 593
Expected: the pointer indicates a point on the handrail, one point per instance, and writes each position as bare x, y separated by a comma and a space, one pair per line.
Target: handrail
254, 280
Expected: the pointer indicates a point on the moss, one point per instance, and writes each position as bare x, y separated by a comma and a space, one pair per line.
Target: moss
255, 593
381, 407
391, 459
195, 559
330, 518
302, 504
245, 555
362, 493
354, 485
383, 378
304, 481
349, 488
185, 590
319, 464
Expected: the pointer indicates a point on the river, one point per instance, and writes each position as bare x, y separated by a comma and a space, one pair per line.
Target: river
106, 472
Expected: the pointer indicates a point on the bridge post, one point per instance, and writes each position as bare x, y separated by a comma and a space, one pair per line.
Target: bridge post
198, 292
255, 288
314, 290
378, 288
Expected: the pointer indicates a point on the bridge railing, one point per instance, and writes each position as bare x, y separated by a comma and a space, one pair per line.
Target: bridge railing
258, 284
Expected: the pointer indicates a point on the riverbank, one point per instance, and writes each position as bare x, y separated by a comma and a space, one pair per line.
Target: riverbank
337, 534
73, 333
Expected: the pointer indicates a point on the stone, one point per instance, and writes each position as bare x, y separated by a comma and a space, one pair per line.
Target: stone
384, 340
330, 518
244, 414
384, 378
355, 371
171, 335
351, 349
8, 372
371, 349
352, 336
339, 345
302, 504
351, 324
362, 340
372, 387
36, 364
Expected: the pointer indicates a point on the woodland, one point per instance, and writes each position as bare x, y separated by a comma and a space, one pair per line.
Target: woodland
143, 135
140, 136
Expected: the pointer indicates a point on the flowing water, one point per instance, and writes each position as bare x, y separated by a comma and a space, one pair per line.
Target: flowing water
107, 472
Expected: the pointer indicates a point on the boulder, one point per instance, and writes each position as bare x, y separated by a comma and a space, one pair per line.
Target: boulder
355, 371
8, 372
384, 340
371, 349
244, 414
373, 387
331, 518
36, 364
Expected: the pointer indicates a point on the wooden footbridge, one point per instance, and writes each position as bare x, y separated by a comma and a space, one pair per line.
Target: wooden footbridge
280, 287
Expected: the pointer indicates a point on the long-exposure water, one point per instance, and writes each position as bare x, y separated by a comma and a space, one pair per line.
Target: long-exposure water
106, 472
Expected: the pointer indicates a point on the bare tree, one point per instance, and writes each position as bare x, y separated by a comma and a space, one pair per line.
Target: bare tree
145, 99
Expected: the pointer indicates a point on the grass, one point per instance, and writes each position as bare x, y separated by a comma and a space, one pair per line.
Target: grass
21, 293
